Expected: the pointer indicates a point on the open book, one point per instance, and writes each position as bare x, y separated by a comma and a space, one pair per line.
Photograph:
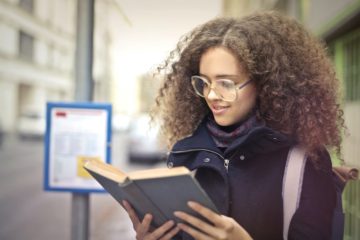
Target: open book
157, 191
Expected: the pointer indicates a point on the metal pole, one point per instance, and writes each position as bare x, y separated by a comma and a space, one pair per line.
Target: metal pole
83, 92
80, 216
84, 51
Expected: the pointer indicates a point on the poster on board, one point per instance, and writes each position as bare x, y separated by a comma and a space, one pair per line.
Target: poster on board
75, 132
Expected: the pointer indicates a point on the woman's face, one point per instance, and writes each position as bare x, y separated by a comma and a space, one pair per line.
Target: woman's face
219, 63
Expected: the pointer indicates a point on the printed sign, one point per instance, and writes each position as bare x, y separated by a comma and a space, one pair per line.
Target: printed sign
75, 132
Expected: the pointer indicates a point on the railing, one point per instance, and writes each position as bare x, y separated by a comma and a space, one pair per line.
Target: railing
351, 203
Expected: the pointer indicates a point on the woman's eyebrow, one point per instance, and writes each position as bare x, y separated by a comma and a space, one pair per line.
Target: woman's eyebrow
226, 76
221, 75
203, 75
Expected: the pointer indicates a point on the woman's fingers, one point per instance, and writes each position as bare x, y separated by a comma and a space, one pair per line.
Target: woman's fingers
194, 221
160, 231
213, 217
170, 234
194, 233
132, 214
143, 228
223, 226
209, 230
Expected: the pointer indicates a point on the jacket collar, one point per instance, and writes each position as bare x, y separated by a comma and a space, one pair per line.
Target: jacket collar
198, 140
262, 138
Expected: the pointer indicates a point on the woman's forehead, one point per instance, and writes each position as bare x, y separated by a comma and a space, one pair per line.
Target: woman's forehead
220, 61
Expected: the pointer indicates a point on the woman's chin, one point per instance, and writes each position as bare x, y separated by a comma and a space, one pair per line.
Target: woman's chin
221, 121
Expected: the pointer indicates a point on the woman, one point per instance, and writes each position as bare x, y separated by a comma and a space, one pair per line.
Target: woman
238, 94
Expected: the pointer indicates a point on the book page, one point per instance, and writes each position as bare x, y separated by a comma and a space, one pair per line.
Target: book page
105, 170
158, 173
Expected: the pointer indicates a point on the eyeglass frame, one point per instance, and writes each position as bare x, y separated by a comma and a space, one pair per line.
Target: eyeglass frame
236, 87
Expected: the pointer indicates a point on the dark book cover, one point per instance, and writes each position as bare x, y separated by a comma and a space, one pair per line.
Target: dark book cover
159, 195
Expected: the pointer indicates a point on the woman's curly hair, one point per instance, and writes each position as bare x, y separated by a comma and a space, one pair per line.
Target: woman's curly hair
295, 80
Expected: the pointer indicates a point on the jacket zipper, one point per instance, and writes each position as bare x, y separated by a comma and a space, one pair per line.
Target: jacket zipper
226, 164
226, 161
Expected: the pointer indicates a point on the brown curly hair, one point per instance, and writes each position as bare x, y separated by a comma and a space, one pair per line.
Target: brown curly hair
295, 80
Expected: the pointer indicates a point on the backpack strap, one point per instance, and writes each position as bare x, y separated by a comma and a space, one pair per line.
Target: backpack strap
292, 184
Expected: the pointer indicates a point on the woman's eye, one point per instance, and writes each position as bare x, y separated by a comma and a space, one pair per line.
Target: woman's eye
226, 83
204, 84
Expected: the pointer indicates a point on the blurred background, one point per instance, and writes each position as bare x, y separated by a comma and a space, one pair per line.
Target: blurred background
131, 37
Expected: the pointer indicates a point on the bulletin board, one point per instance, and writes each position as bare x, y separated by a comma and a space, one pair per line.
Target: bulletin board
75, 132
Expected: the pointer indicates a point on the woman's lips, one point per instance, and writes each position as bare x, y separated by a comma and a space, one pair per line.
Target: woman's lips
216, 109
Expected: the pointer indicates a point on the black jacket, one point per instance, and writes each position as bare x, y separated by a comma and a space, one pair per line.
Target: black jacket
245, 182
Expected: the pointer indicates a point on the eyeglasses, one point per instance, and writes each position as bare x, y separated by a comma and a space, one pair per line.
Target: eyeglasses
226, 89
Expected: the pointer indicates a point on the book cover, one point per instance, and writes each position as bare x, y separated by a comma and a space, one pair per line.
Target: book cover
159, 192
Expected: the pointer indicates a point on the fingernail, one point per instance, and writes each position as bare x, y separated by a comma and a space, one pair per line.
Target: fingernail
124, 203
177, 213
191, 204
170, 223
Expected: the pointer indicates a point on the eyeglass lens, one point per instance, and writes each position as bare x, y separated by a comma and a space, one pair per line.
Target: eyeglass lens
224, 88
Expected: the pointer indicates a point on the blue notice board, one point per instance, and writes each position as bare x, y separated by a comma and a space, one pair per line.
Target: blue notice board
75, 132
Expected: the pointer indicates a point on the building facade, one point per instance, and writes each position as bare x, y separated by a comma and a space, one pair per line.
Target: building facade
37, 51
36, 55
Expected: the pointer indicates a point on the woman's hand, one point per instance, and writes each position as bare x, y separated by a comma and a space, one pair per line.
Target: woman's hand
142, 228
223, 228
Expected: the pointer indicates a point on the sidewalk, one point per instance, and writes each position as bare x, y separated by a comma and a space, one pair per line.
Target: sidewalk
110, 222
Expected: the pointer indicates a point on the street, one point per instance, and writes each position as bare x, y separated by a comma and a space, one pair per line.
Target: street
28, 212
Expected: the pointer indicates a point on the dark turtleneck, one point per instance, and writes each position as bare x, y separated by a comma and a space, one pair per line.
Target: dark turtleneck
223, 136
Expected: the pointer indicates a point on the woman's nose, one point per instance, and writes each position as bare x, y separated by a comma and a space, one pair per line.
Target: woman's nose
212, 95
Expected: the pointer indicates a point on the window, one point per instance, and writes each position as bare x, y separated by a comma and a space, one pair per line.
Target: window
26, 46
345, 51
27, 5
352, 66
